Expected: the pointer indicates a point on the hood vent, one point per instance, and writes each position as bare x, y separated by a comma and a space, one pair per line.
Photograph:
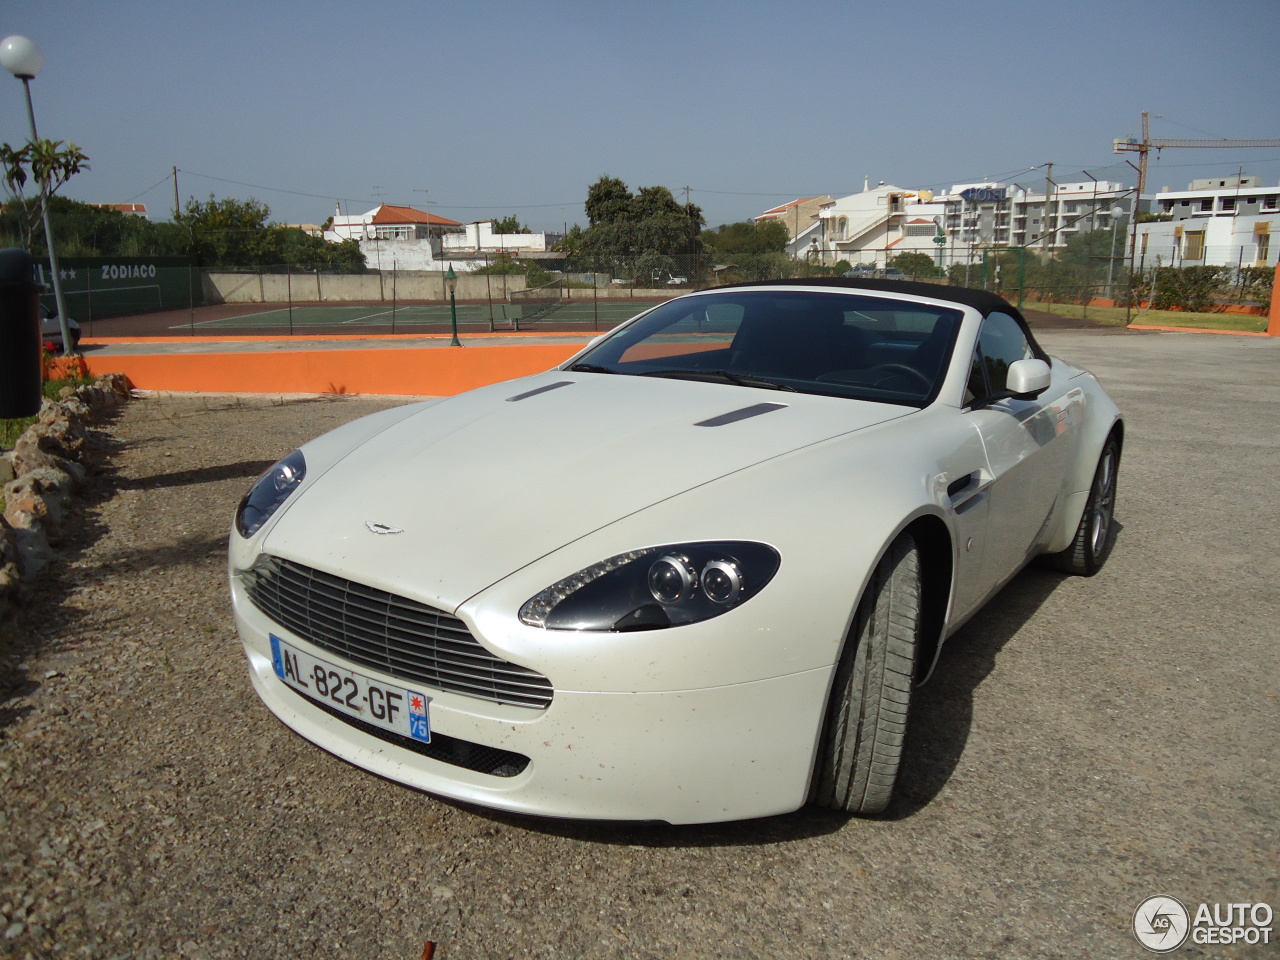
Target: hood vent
542, 389
755, 410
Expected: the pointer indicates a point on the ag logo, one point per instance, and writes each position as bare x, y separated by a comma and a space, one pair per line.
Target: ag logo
1161, 924
381, 528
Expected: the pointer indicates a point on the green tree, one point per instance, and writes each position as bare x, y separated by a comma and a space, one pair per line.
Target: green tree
625, 227
767, 236
510, 225
608, 201
915, 264
238, 233
85, 230
230, 232
47, 165
300, 249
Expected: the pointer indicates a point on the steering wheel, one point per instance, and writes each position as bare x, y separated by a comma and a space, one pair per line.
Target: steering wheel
903, 368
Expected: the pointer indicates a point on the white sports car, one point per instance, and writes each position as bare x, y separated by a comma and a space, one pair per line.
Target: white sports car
693, 574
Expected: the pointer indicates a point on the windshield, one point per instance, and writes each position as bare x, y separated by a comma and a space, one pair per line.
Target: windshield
835, 344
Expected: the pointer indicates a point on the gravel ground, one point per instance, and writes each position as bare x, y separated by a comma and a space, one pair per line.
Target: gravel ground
1086, 743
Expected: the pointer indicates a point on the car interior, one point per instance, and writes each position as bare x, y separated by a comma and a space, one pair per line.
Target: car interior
838, 344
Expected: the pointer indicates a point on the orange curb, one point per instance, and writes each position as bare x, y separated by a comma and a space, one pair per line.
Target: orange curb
403, 372
1233, 333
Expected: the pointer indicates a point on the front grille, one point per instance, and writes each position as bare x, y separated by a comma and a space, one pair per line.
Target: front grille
397, 636
460, 753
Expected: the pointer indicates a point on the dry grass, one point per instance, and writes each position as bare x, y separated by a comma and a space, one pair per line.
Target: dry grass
1161, 318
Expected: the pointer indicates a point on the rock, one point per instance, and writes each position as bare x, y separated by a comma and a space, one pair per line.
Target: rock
28, 456
117, 384
41, 473
10, 572
34, 552
43, 493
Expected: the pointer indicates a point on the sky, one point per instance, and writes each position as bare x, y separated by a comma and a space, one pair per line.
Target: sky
490, 108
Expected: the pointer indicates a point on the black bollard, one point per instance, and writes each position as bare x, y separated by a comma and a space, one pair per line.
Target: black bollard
19, 335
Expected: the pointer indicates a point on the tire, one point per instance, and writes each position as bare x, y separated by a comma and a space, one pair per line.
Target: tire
1096, 533
871, 696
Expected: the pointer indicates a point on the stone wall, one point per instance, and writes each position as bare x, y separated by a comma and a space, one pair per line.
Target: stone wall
41, 473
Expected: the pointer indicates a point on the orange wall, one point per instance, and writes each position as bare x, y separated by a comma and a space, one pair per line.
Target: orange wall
1273, 322
433, 371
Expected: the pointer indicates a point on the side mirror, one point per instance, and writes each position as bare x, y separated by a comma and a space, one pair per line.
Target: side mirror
1028, 379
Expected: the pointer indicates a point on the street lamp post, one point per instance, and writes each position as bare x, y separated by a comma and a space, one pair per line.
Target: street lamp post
451, 282
24, 60
1116, 213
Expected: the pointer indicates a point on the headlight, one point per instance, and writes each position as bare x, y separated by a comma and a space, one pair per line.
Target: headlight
269, 491
656, 587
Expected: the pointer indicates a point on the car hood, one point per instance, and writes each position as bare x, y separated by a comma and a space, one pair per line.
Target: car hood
479, 485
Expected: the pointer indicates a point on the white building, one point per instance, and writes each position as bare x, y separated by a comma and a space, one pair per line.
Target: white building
478, 238
1226, 221
880, 223
984, 215
874, 226
800, 217
393, 237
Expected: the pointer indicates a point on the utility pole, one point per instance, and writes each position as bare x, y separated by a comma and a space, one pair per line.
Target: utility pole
1048, 193
1143, 149
177, 204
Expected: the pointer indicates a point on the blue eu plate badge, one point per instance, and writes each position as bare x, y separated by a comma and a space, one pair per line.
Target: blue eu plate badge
419, 728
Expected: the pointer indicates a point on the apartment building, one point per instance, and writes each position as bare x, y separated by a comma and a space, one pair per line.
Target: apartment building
1223, 222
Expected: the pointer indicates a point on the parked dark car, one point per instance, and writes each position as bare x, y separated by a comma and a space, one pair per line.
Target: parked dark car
51, 329
869, 271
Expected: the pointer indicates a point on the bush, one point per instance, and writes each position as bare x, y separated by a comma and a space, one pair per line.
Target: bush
1256, 284
1191, 289
916, 265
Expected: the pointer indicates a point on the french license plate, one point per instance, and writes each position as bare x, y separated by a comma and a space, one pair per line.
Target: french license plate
391, 708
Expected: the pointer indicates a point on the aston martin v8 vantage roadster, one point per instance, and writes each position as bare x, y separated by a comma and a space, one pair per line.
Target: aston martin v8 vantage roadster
693, 574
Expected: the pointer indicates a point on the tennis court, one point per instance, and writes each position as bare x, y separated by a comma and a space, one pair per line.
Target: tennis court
418, 317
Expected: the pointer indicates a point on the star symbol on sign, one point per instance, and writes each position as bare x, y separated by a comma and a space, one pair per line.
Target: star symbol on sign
67, 273
415, 703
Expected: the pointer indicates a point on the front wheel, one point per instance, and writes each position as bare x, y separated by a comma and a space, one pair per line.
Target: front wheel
871, 697
1096, 533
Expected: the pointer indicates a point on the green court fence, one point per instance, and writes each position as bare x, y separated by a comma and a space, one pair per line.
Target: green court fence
573, 293
96, 288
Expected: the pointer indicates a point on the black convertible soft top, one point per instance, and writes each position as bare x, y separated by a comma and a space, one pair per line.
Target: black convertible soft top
980, 300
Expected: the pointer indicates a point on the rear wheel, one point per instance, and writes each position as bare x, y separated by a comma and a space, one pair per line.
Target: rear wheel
1096, 533
871, 696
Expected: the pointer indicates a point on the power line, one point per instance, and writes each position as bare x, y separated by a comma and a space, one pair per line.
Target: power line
434, 203
163, 180
259, 186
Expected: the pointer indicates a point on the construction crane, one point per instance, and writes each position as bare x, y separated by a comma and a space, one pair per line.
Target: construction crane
1144, 147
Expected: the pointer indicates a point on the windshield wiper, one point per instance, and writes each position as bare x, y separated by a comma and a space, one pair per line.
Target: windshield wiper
741, 379
590, 368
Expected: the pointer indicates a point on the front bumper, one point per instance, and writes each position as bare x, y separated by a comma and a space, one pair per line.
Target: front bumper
688, 756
